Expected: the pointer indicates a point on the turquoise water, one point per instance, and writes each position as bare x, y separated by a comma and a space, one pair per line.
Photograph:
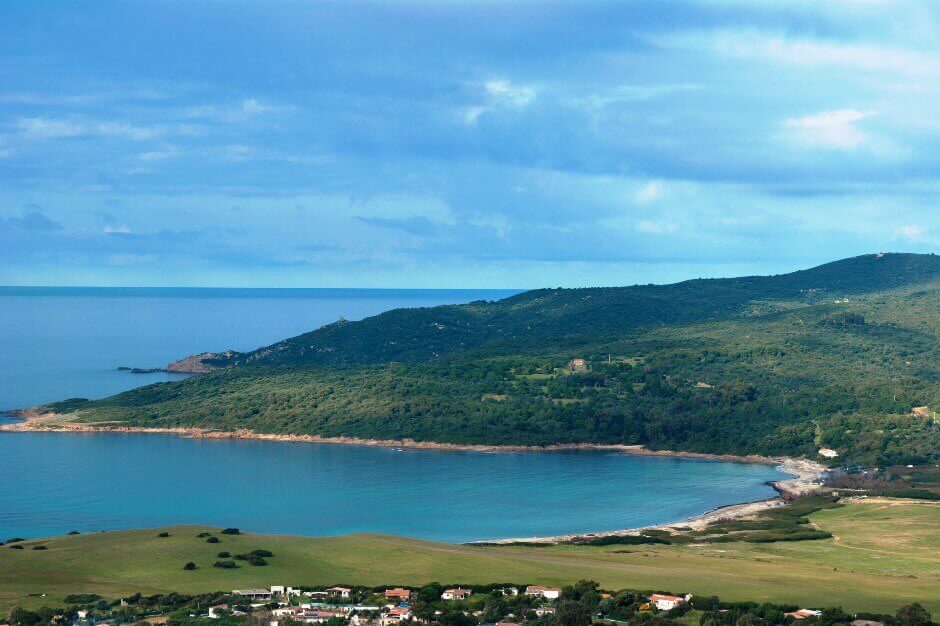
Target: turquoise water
57, 482
65, 342
60, 343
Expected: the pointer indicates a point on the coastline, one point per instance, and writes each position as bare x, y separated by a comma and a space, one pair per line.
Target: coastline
806, 474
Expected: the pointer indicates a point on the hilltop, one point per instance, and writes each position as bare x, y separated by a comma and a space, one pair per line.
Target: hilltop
835, 357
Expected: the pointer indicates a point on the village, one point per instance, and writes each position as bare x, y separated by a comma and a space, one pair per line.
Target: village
582, 604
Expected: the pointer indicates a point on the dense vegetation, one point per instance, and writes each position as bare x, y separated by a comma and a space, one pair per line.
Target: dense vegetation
837, 356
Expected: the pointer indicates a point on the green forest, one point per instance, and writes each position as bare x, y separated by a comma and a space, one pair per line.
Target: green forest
837, 356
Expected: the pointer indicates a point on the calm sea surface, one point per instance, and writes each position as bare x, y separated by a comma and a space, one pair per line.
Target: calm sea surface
67, 342
57, 482
58, 343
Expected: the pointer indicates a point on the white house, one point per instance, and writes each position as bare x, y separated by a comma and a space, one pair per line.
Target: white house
253, 594
665, 602
544, 610
548, 593
456, 594
342, 592
510, 591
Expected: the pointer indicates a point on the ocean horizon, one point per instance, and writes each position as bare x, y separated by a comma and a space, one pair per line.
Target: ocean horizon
66, 342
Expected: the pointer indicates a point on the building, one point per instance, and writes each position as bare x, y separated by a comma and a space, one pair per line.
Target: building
665, 602
278, 590
396, 615
577, 365
803, 613
544, 610
510, 591
342, 592
456, 594
397, 594
543, 592
253, 594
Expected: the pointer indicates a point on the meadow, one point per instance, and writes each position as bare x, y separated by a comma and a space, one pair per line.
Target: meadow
884, 553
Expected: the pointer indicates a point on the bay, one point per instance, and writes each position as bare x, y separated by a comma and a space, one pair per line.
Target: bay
54, 483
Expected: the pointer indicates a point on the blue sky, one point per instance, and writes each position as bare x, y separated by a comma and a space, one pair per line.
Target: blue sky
462, 144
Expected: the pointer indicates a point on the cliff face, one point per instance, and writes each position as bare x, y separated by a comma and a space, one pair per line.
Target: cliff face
198, 363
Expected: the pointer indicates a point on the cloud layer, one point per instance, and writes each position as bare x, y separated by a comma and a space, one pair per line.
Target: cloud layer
462, 144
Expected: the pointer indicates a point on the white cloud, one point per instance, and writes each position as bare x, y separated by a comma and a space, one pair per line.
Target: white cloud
829, 129
504, 92
650, 191
912, 233
51, 128
633, 93
235, 113
131, 259
657, 228
123, 229
253, 107
159, 155
500, 94
812, 52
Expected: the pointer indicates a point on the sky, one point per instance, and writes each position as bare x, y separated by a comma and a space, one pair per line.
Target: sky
509, 144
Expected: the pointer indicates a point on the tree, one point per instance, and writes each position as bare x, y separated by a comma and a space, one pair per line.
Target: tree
189, 566
572, 613
913, 615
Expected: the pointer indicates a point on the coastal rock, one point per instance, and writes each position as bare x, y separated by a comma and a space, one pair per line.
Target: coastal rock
193, 364
199, 363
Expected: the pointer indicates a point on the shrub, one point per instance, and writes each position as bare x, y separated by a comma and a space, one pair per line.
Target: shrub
16, 546
225, 564
40, 548
257, 561
81, 598
74, 532
14, 540
267, 553
189, 566
164, 534
212, 540
231, 531
223, 555
201, 535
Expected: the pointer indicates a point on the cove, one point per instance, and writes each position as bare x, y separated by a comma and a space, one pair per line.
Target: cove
53, 483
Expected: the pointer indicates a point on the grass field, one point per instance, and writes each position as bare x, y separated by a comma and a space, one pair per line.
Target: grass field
884, 553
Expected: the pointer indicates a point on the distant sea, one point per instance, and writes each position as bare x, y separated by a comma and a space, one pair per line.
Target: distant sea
67, 342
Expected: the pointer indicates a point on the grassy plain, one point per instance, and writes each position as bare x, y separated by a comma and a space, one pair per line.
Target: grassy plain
884, 553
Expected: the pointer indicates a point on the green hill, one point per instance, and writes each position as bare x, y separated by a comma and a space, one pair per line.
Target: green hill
545, 319
836, 356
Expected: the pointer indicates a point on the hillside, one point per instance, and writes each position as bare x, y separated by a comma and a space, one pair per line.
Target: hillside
549, 319
836, 356
883, 555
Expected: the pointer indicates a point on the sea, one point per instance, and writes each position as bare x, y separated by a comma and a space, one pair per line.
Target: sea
58, 343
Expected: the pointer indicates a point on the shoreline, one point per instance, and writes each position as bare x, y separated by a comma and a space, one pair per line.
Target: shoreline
806, 474
33, 421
